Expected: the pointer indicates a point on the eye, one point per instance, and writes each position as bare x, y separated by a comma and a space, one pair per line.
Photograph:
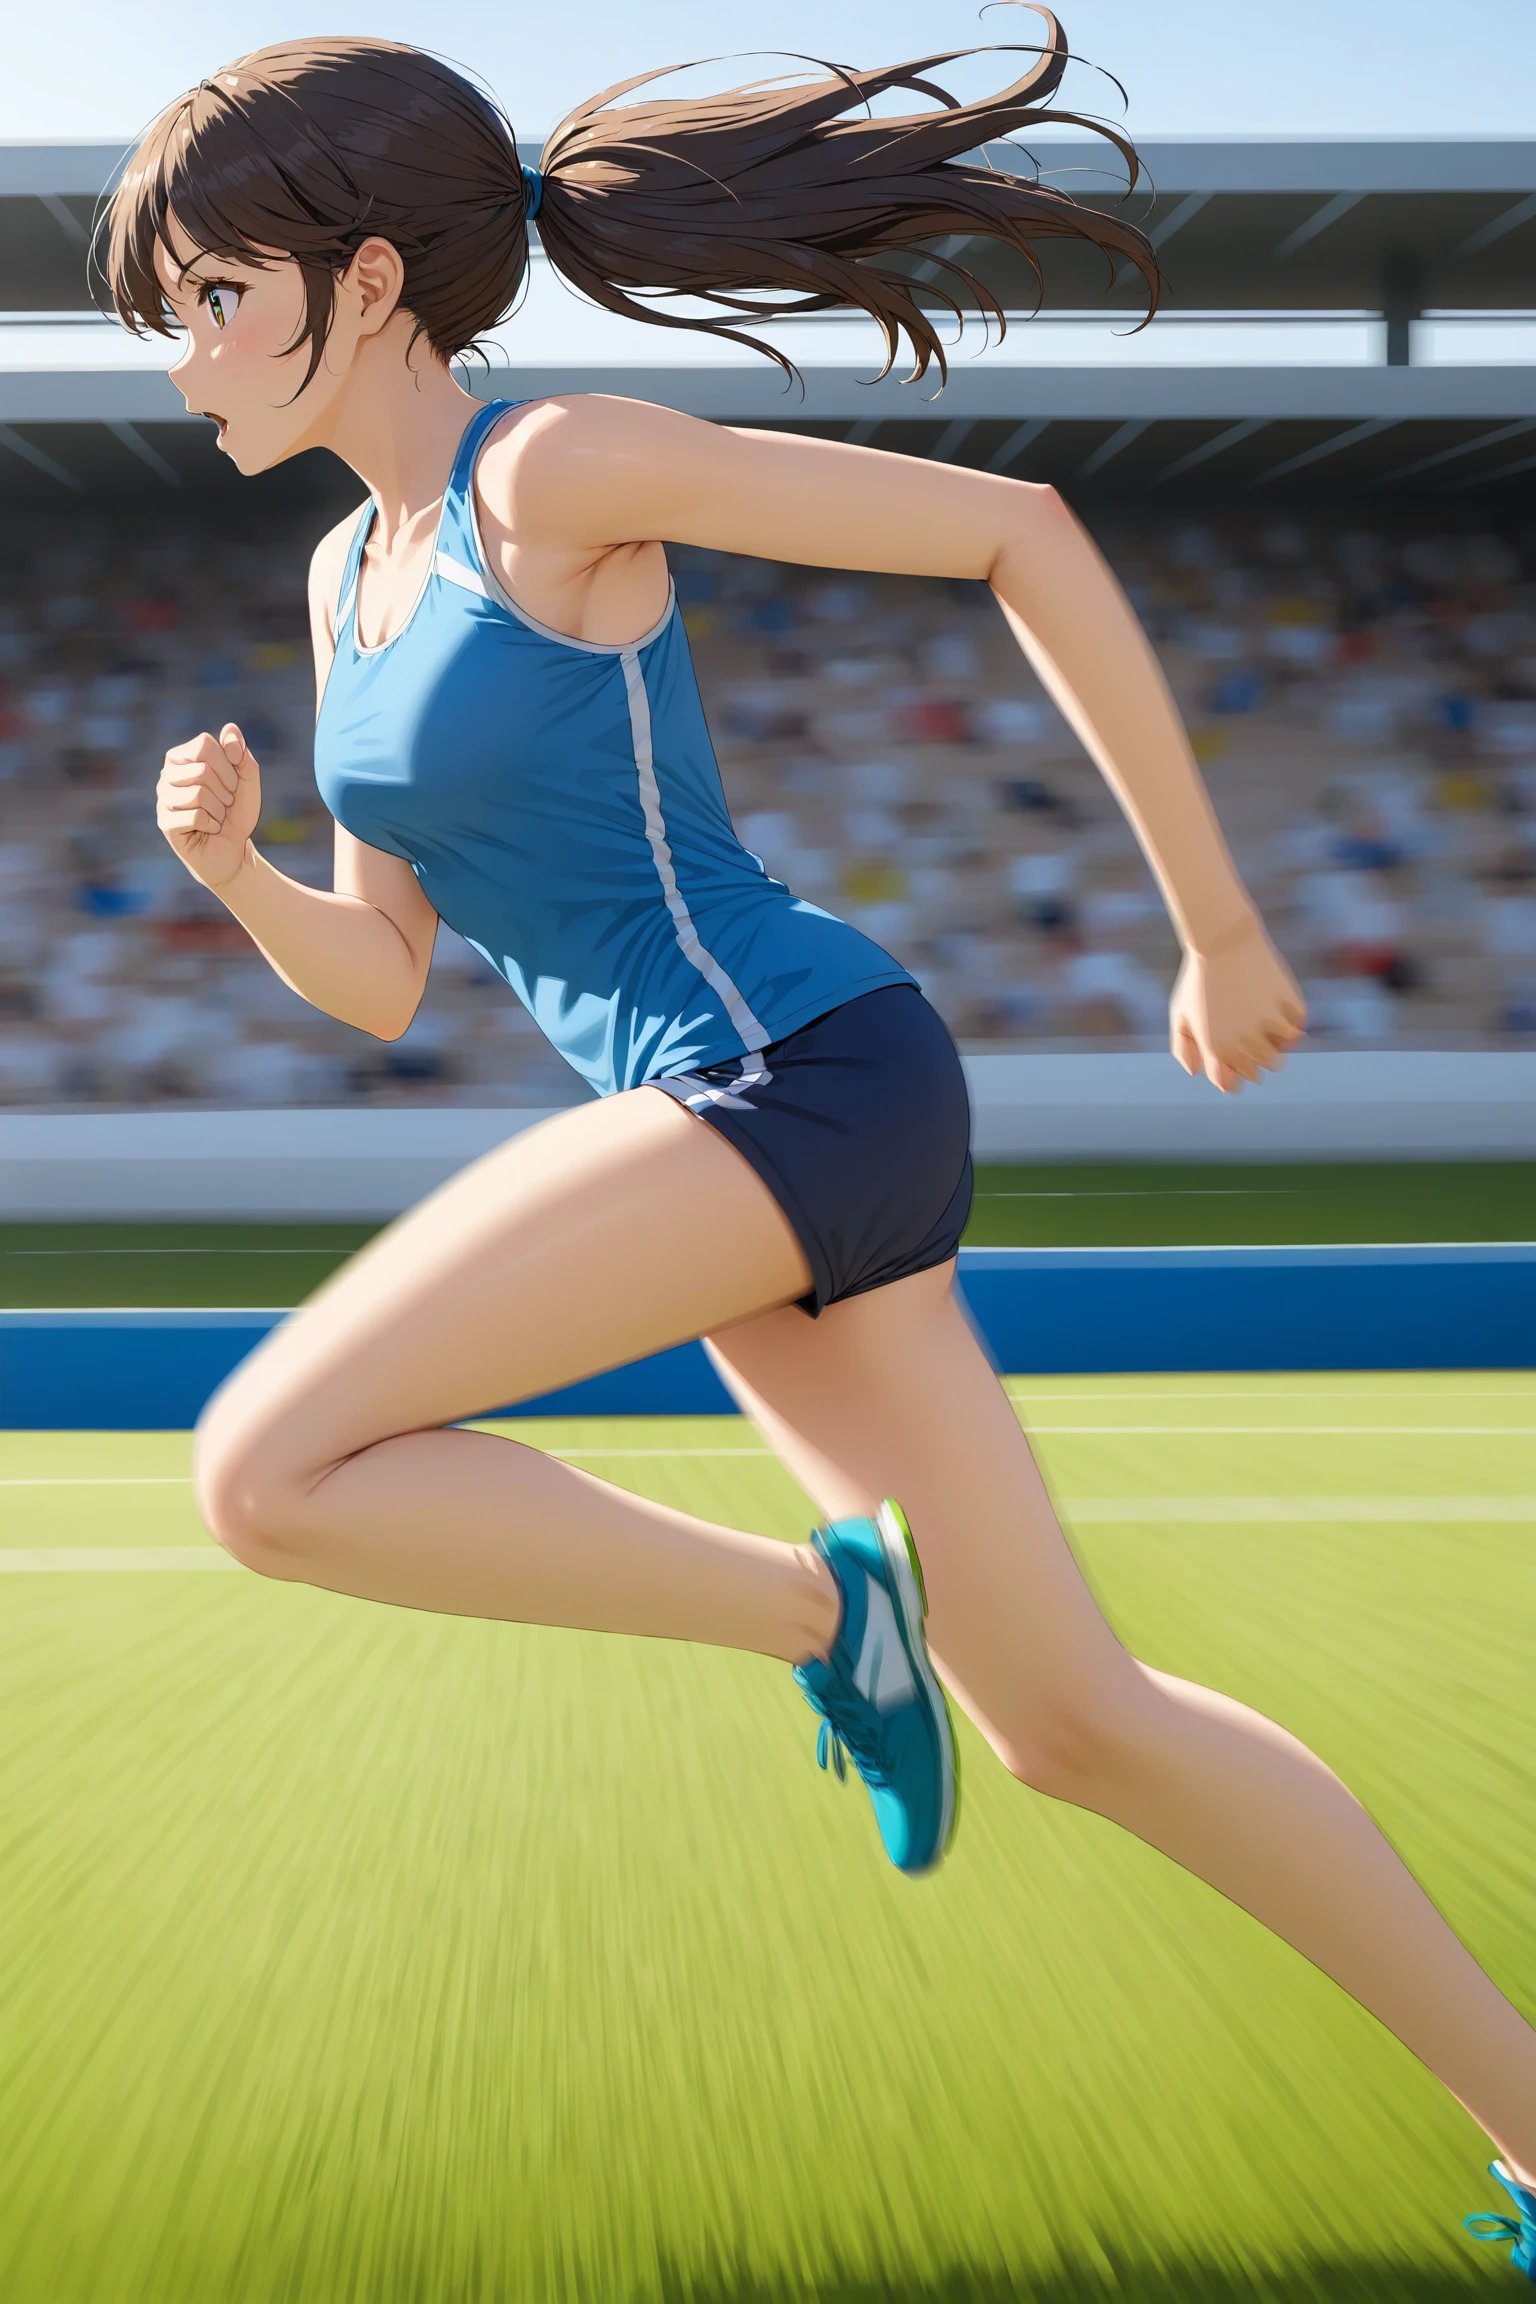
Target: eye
217, 295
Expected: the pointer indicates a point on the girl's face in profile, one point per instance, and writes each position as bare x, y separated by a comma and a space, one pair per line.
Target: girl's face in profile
239, 321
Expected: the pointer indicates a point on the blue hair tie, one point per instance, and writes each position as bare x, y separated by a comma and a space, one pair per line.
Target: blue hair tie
533, 185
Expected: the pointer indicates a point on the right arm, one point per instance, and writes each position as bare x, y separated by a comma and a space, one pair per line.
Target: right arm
361, 953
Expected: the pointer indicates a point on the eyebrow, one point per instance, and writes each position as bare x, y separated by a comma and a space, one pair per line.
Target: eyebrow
183, 271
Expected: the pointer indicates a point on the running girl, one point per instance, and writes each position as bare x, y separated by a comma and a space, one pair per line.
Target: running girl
776, 1159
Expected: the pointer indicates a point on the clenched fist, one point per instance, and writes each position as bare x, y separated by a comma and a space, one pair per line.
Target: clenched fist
1236, 1008
207, 802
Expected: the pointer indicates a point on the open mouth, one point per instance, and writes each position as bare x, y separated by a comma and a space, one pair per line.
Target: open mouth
221, 421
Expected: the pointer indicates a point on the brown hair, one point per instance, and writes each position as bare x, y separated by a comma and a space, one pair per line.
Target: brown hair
760, 201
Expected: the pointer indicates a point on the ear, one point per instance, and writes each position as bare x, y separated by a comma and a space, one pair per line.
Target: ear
376, 276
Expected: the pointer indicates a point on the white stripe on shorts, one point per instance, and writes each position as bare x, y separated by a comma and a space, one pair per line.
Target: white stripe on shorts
691, 1089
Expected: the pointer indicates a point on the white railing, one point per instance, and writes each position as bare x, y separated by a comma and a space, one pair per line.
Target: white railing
372, 1162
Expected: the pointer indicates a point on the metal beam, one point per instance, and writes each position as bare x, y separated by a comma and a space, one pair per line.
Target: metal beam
1506, 221
1017, 441
1323, 165
66, 219
950, 439
1120, 438
1462, 448
750, 391
1325, 448
1402, 301
1189, 206
926, 269
1319, 221
146, 455
1499, 472
34, 456
1225, 439
1162, 233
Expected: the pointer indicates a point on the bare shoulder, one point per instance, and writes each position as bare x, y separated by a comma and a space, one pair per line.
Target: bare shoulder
544, 458
577, 424
540, 490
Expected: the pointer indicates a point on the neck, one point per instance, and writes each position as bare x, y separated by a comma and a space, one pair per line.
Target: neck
400, 434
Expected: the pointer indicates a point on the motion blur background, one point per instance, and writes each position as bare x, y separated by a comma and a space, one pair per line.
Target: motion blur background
386, 1954
1360, 688
1314, 475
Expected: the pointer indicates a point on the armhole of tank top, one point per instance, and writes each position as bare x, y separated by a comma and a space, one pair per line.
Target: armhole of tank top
349, 571
495, 591
463, 485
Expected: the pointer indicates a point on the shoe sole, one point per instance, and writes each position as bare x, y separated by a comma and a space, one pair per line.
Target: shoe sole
906, 1576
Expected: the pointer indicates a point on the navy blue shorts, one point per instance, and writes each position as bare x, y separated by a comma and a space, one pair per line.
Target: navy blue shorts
860, 1126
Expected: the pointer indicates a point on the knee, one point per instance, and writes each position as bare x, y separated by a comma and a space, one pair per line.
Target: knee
240, 1499
1076, 1741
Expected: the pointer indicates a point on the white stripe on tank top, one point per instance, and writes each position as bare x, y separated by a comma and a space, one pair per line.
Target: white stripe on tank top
752, 1033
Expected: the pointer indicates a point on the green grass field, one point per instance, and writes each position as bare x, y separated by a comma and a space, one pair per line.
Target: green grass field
353, 1955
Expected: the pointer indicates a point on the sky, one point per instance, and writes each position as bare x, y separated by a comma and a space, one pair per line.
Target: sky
102, 68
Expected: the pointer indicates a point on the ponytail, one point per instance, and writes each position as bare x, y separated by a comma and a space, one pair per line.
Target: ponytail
767, 189
763, 201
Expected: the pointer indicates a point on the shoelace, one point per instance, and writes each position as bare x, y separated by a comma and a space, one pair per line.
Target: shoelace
1503, 2227
1500, 2227
866, 1757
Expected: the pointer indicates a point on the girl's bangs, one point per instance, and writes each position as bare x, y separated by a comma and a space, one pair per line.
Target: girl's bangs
177, 171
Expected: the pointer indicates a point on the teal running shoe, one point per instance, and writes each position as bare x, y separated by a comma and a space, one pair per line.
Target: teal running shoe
877, 1693
1521, 2231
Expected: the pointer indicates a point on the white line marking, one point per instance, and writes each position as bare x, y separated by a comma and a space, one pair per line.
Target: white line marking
1210, 1510
80, 1560
1096, 1431
1205, 1247
1127, 1511
1309, 1431
1015, 1387
184, 1479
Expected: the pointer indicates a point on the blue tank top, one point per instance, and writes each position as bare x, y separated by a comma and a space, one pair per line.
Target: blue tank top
560, 803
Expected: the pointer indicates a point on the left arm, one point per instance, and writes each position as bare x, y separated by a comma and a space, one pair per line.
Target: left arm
606, 471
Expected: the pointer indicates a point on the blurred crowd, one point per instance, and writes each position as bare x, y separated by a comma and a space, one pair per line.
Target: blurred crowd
1361, 698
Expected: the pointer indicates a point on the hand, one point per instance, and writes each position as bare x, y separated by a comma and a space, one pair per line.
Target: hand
1235, 1008
207, 803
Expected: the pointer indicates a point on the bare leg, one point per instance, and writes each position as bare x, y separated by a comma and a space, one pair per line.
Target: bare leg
471, 1524
618, 1229
891, 1392
1238, 1801
331, 1455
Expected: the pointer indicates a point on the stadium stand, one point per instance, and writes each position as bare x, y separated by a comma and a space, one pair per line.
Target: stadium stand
1362, 700
1340, 586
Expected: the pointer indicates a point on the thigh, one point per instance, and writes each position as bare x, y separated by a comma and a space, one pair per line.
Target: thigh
600, 1235
891, 1393
860, 1124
